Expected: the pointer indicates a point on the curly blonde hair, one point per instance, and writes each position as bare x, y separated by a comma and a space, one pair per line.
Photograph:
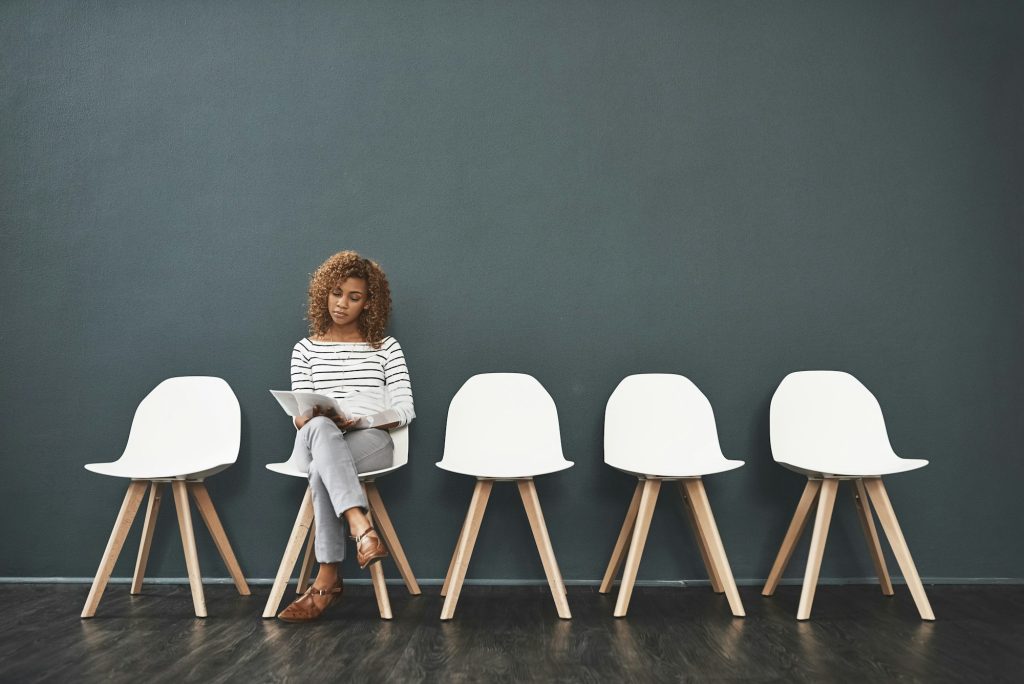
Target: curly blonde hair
374, 318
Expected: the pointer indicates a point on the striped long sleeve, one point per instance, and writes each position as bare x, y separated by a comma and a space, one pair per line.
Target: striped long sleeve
302, 376
396, 378
373, 383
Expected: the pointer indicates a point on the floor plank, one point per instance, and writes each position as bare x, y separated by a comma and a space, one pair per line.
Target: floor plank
511, 634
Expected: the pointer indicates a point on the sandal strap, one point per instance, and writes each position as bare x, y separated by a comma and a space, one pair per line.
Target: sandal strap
363, 535
323, 592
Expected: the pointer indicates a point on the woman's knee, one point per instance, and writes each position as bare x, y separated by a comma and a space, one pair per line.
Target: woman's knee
377, 460
319, 423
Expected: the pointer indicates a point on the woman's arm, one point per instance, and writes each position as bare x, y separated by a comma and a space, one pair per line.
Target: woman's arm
399, 388
302, 378
399, 391
385, 420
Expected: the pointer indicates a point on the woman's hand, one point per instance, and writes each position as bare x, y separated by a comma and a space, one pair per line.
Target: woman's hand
335, 418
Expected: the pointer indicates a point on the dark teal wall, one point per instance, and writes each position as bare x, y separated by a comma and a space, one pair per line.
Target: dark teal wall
576, 190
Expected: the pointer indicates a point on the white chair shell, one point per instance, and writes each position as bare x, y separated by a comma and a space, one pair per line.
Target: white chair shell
662, 425
186, 428
399, 436
503, 426
827, 423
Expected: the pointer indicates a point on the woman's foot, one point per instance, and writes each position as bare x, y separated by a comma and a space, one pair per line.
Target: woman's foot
312, 604
369, 548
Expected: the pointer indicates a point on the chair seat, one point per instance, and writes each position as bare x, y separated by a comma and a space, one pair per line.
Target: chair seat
151, 471
873, 469
287, 468
697, 469
505, 471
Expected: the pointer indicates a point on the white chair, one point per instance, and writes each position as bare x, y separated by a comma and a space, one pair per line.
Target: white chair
502, 426
304, 527
827, 426
184, 431
660, 428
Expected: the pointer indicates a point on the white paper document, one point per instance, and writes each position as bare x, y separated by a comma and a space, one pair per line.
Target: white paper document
302, 403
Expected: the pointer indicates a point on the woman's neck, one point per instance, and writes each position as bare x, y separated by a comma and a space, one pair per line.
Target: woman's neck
342, 333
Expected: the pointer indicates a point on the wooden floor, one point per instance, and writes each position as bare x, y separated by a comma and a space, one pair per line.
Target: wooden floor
513, 634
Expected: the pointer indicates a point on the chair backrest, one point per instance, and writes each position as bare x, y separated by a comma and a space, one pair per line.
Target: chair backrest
189, 423
827, 421
654, 422
500, 423
400, 438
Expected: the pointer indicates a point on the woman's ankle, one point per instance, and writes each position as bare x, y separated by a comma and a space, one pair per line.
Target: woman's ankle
327, 576
358, 522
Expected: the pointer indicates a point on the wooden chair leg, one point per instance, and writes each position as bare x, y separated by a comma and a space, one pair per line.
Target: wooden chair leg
622, 543
531, 502
380, 587
188, 543
152, 509
380, 590
303, 521
697, 495
867, 523
822, 519
122, 525
887, 517
308, 561
387, 531
789, 542
451, 564
648, 498
464, 550
220, 538
702, 541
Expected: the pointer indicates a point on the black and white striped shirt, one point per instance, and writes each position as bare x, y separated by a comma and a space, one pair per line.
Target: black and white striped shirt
369, 380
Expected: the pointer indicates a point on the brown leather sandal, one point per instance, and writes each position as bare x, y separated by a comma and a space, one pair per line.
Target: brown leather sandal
306, 608
369, 548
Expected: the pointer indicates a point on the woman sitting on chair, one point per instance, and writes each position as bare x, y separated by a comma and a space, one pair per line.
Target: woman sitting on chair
346, 356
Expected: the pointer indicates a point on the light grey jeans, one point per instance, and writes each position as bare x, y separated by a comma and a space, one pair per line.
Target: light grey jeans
335, 460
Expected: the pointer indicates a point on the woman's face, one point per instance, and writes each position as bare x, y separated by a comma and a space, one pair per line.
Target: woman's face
347, 300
